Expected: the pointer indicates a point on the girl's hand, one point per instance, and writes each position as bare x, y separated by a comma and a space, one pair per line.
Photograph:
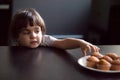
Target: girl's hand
88, 47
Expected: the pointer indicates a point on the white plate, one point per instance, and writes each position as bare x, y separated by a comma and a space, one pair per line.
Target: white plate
82, 62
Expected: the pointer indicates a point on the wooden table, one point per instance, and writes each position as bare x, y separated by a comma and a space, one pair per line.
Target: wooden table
43, 63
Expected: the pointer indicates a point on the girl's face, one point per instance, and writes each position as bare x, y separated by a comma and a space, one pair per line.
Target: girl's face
31, 36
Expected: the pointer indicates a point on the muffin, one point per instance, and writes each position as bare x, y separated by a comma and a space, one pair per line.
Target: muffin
92, 61
97, 54
109, 59
115, 64
103, 65
112, 55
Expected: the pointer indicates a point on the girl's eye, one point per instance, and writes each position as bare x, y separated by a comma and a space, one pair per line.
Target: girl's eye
26, 32
37, 31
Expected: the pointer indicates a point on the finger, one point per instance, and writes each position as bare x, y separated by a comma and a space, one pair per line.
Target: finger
95, 48
84, 52
88, 48
98, 49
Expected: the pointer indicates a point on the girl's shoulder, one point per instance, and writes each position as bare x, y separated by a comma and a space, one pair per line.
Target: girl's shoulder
48, 40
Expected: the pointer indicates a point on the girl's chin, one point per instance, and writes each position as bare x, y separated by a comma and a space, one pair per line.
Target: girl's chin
33, 46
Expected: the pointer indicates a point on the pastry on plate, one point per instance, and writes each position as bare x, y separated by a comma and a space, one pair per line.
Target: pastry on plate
91, 61
112, 55
115, 64
103, 65
97, 54
109, 59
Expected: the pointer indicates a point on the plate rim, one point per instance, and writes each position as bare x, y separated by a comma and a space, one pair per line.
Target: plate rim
93, 69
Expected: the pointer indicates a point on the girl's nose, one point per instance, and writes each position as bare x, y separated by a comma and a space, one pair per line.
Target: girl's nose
33, 35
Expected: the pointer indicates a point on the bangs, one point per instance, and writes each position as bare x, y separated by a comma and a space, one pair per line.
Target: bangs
32, 20
26, 19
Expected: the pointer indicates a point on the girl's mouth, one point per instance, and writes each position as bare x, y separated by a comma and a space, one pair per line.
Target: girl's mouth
33, 42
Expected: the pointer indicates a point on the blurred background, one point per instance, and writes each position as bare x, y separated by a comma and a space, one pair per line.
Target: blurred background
96, 21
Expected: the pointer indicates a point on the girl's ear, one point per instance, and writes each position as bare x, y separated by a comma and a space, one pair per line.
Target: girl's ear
43, 33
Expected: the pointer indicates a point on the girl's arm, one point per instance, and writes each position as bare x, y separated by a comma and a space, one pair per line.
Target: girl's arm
71, 43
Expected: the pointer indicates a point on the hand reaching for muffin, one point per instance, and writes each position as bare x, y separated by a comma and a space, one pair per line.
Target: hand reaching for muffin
109, 61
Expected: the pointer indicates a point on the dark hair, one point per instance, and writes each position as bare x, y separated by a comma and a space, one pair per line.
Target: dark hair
23, 18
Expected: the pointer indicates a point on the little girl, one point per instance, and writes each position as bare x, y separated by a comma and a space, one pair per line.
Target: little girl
28, 29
